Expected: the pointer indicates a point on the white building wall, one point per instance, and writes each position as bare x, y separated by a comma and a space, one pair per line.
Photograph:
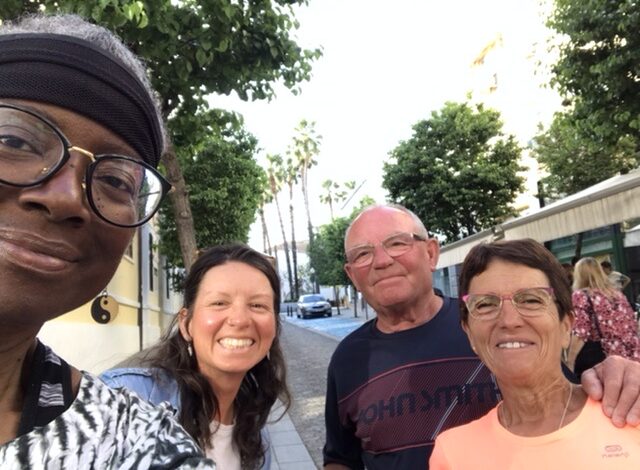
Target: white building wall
93, 346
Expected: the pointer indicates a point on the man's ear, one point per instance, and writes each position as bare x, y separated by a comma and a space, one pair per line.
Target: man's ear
433, 249
183, 323
347, 269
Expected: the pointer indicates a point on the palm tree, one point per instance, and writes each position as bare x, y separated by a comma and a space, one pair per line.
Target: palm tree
335, 192
306, 145
291, 178
265, 198
276, 175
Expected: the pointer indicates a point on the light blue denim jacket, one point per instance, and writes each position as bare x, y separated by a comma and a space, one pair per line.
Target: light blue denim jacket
157, 386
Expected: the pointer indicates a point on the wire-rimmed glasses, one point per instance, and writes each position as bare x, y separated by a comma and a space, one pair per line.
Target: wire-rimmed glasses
121, 190
395, 245
530, 302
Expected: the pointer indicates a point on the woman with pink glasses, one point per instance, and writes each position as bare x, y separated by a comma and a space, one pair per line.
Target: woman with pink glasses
517, 313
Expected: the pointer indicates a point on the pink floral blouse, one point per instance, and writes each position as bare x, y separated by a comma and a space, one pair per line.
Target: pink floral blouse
615, 318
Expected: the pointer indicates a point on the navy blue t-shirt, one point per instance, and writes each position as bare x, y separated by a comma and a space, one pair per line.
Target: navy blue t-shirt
389, 395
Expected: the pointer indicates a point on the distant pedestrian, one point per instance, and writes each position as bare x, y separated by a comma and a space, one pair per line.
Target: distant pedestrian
603, 314
619, 280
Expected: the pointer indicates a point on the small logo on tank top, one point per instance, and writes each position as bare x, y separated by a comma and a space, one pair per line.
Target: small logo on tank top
614, 451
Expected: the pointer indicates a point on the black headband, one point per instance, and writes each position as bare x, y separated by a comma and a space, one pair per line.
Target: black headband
74, 74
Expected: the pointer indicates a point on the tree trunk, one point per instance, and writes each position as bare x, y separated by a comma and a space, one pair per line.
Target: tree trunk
336, 295
285, 245
310, 230
305, 194
179, 198
294, 252
265, 233
277, 261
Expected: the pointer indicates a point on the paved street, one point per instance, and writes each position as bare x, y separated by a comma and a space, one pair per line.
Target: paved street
308, 345
337, 326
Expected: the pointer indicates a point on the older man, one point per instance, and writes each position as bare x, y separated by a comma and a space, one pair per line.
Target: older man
401, 378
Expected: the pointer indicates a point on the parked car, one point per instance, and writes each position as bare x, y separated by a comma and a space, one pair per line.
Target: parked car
312, 305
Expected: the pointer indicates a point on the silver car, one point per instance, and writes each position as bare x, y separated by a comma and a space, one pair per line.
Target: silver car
312, 305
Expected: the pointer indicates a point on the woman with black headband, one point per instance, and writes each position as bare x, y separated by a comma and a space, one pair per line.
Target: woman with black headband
80, 139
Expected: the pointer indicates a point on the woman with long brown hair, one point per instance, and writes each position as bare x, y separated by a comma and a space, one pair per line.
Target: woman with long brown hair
220, 364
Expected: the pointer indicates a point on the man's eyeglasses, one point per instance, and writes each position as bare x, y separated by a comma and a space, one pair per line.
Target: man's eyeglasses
530, 302
395, 245
121, 190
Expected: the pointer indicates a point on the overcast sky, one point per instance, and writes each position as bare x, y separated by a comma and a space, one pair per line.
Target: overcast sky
385, 66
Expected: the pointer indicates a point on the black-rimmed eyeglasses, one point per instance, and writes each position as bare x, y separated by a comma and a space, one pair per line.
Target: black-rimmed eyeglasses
121, 190
395, 245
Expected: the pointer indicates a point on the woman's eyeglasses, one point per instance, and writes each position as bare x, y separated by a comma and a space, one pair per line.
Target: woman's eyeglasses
121, 190
529, 302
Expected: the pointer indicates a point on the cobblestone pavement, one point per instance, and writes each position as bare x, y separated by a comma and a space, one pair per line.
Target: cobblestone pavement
307, 355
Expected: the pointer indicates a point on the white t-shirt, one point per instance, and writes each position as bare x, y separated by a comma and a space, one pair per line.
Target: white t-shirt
222, 450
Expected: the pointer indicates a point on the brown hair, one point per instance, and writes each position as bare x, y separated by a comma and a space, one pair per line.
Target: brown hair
527, 252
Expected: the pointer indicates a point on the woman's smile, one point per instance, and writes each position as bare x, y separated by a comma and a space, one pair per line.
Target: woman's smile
513, 345
233, 323
236, 343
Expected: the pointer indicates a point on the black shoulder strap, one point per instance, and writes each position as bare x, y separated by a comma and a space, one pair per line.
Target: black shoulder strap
48, 391
592, 314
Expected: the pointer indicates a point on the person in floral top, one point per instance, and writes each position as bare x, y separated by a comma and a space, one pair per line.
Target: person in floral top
615, 316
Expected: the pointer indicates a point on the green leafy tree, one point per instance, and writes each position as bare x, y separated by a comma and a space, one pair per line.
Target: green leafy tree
194, 48
597, 69
575, 162
326, 253
226, 184
306, 279
335, 192
597, 73
458, 172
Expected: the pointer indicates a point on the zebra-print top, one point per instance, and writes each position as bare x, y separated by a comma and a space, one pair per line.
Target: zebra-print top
103, 428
